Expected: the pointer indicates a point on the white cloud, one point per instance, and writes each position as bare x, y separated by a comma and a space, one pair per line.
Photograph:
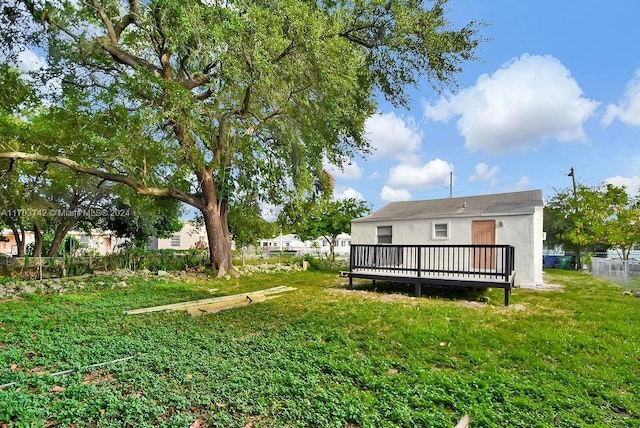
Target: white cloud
347, 193
627, 110
431, 174
269, 212
28, 61
392, 136
523, 183
484, 173
389, 194
528, 100
350, 169
631, 183
374, 175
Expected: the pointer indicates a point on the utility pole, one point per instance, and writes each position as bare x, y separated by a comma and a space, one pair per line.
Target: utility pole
572, 174
451, 184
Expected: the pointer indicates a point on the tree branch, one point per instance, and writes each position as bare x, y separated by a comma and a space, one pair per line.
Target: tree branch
284, 53
128, 19
111, 33
125, 58
160, 192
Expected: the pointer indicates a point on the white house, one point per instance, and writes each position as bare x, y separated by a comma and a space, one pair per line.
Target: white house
192, 235
291, 242
504, 219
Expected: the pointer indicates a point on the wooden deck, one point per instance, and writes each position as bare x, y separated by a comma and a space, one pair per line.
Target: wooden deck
476, 266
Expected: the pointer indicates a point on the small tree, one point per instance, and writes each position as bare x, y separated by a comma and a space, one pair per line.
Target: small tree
330, 218
603, 216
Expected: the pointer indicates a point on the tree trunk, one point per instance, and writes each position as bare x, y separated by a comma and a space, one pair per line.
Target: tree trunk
332, 249
37, 246
60, 233
215, 220
19, 237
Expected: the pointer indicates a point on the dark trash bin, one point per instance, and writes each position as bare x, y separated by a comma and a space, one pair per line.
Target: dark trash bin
565, 262
550, 261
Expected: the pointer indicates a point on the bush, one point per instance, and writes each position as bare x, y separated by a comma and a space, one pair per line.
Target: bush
314, 264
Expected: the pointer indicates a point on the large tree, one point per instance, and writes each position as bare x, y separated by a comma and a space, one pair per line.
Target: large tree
229, 96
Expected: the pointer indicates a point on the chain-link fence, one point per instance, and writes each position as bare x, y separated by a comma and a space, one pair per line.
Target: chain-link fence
623, 272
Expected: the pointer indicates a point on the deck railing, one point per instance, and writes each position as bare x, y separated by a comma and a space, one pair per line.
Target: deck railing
484, 262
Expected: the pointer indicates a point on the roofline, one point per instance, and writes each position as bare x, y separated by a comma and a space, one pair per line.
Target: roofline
371, 220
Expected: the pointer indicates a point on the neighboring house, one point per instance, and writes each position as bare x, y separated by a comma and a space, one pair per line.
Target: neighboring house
192, 235
291, 243
505, 219
101, 242
8, 244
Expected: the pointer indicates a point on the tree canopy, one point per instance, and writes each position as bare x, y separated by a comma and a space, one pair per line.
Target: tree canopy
603, 216
330, 218
202, 100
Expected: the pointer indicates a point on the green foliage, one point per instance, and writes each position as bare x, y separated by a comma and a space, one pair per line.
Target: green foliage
329, 218
139, 219
314, 264
16, 94
200, 101
246, 223
325, 357
600, 217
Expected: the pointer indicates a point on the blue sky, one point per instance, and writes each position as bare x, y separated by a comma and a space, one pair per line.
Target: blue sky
557, 86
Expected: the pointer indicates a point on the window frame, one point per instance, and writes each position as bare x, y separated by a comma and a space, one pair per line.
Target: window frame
384, 236
434, 231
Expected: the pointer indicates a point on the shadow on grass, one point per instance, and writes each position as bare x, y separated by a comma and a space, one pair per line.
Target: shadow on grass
428, 291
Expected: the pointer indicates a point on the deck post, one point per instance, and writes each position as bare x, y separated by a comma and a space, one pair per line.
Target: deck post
507, 291
350, 282
418, 289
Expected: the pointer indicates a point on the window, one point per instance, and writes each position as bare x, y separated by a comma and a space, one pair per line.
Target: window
440, 230
175, 241
384, 235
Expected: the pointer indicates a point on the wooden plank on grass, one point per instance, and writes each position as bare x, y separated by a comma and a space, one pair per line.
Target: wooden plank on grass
212, 308
233, 299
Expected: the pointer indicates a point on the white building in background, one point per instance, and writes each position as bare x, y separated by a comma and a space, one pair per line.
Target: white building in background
291, 243
192, 235
100, 242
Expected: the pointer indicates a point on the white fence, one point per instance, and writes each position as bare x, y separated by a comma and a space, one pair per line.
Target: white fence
623, 272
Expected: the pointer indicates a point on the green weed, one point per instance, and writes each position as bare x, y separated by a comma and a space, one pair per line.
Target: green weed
323, 356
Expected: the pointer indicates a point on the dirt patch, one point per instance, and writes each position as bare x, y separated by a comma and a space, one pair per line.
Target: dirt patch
470, 304
545, 287
481, 305
383, 297
97, 377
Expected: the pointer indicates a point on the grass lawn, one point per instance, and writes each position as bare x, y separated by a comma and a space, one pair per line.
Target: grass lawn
321, 357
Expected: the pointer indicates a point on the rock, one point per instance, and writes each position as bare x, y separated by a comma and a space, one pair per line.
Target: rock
163, 273
28, 289
121, 284
145, 271
637, 293
100, 284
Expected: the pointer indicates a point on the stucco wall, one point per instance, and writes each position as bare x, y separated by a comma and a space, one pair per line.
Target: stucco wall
524, 232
